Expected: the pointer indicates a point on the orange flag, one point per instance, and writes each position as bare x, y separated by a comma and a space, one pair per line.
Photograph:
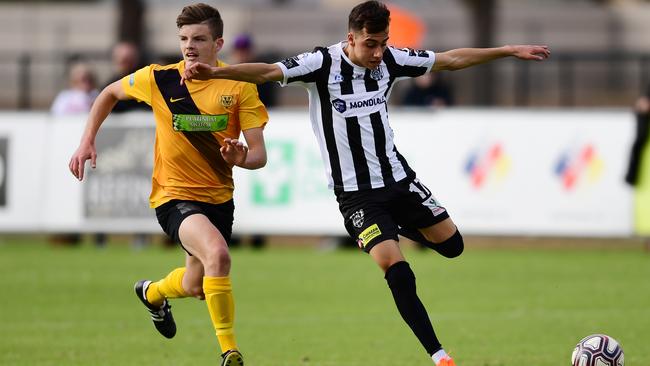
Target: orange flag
406, 29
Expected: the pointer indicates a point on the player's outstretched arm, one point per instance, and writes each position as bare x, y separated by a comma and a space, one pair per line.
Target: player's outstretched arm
253, 156
256, 73
465, 57
102, 106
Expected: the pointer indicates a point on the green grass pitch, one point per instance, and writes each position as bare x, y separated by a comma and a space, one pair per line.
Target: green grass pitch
303, 307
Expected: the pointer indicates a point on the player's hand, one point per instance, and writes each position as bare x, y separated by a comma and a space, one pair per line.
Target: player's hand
199, 71
78, 160
531, 52
234, 152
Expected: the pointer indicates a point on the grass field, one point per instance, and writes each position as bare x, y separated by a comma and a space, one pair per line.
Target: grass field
302, 307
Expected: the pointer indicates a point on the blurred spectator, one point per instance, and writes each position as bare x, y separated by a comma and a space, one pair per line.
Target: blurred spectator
243, 52
125, 57
77, 98
126, 60
642, 110
80, 94
429, 90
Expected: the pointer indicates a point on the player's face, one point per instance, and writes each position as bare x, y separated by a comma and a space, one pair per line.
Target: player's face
197, 44
367, 49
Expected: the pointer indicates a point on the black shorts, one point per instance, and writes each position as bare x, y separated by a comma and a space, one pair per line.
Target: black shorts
374, 215
171, 214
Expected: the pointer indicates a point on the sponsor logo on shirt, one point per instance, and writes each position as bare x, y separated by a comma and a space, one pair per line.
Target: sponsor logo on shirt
418, 53
370, 102
290, 62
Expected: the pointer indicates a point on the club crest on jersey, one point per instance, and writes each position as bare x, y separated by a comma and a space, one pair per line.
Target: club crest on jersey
357, 218
338, 78
339, 105
376, 74
227, 101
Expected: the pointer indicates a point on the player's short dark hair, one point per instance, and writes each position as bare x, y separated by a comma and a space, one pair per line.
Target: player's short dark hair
202, 14
372, 15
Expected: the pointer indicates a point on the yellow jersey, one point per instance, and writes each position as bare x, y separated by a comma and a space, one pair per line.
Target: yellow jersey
192, 120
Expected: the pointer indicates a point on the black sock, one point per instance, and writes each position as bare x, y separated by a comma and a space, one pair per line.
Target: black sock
401, 281
450, 248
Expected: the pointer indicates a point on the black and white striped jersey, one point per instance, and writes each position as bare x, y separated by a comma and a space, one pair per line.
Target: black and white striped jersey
349, 114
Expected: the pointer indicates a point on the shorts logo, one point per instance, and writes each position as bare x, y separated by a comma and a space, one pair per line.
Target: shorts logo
227, 101
357, 219
339, 105
367, 235
131, 79
376, 74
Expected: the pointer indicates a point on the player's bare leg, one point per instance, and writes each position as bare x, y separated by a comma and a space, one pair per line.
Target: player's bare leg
201, 238
193, 279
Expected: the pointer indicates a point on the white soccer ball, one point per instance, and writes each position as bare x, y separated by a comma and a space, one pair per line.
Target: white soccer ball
598, 350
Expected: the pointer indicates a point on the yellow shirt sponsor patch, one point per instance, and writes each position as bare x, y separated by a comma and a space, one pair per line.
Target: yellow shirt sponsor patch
367, 235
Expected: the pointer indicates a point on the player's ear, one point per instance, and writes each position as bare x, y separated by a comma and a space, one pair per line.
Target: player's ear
219, 43
351, 38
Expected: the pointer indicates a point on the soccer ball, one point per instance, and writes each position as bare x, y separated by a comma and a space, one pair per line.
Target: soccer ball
598, 350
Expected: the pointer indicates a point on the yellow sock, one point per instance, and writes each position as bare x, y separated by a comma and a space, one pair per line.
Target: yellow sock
221, 305
170, 287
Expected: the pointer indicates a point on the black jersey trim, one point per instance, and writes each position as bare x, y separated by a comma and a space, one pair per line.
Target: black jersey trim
380, 148
396, 70
346, 72
205, 143
410, 173
326, 111
361, 170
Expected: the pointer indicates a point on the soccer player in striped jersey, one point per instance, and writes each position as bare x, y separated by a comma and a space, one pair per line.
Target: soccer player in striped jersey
198, 125
378, 193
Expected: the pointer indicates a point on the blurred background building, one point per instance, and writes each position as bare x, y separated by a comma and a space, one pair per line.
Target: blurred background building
601, 49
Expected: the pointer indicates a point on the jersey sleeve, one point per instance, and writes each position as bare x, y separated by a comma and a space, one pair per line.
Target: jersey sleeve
252, 112
301, 69
408, 62
138, 85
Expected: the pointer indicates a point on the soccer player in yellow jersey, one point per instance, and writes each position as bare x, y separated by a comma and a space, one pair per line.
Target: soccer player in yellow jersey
198, 125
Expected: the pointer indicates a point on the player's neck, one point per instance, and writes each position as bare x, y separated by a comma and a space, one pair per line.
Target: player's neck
347, 49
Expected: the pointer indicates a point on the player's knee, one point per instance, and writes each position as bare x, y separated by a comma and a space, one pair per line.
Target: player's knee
218, 258
452, 247
399, 276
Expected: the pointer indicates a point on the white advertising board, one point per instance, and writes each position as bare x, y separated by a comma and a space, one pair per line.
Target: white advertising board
506, 172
